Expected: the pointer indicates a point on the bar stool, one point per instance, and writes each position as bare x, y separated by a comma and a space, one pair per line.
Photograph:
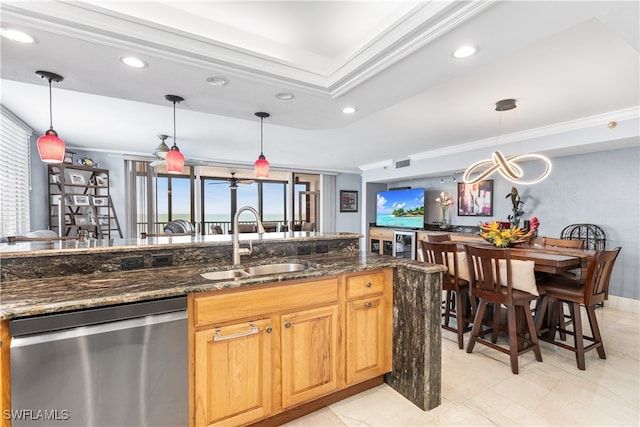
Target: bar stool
559, 291
456, 304
491, 280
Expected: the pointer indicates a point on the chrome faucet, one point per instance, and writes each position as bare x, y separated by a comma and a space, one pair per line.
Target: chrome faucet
237, 251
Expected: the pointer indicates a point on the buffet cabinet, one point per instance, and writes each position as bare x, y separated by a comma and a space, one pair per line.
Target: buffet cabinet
80, 202
400, 243
259, 351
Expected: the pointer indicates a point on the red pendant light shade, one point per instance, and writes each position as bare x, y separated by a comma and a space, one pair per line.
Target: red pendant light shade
261, 166
50, 147
174, 159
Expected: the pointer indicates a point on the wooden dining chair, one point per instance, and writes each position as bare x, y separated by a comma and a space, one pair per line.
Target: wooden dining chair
457, 304
563, 243
494, 286
559, 291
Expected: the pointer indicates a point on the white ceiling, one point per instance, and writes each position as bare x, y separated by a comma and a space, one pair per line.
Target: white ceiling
564, 62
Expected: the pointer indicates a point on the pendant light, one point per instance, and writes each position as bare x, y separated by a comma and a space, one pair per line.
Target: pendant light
50, 147
506, 166
174, 158
261, 167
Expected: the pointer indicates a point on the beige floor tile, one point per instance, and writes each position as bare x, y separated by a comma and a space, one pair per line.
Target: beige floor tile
478, 388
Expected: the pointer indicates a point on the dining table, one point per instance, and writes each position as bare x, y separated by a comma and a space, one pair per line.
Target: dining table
547, 259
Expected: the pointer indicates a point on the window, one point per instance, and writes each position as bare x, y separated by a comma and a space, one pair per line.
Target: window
15, 175
220, 192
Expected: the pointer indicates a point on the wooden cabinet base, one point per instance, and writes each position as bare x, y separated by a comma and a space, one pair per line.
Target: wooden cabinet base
310, 407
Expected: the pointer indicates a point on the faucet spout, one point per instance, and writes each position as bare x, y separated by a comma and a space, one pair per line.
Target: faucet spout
237, 251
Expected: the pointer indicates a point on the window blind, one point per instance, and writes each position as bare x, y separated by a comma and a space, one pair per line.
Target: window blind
15, 174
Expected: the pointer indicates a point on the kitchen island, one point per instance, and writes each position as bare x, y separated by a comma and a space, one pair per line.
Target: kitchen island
41, 278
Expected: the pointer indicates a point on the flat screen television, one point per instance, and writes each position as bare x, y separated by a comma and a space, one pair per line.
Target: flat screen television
400, 208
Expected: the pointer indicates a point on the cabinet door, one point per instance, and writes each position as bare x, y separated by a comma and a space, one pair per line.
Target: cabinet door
309, 354
368, 344
233, 374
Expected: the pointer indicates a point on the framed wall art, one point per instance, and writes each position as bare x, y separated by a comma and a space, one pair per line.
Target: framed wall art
80, 200
475, 199
100, 201
76, 178
348, 201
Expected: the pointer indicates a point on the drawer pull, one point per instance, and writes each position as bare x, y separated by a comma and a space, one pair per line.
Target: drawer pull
287, 325
269, 329
368, 285
367, 304
252, 331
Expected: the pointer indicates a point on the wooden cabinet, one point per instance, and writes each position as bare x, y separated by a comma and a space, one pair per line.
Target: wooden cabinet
258, 351
399, 243
309, 354
233, 373
381, 240
79, 201
368, 329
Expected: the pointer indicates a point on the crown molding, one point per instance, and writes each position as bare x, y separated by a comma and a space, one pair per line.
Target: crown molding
418, 27
570, 126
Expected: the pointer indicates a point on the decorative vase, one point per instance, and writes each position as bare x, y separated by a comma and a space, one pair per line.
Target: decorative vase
443, 223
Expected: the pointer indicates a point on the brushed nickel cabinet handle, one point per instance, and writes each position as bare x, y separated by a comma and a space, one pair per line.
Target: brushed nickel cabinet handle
252, 330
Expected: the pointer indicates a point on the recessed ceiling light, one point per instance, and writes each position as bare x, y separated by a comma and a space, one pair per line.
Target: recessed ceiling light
349, 110
217, 81
285, 96
464, 51
17, 36
133, 62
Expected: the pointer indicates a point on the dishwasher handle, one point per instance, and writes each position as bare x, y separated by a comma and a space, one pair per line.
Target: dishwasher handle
83, 331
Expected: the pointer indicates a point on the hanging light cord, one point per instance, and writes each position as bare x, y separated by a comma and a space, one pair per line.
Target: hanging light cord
261, 122
50, 107
174, 123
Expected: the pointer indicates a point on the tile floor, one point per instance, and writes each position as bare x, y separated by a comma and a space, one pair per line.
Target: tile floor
478, 389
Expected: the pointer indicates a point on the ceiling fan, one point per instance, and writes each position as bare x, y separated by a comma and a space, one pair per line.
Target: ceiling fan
233, 181
160, 153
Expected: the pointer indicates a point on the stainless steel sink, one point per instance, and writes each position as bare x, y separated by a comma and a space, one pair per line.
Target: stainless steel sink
256, 270
288, 267
225, 275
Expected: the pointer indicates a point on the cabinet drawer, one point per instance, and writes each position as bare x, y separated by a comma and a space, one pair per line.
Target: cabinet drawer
365, 284
251, 302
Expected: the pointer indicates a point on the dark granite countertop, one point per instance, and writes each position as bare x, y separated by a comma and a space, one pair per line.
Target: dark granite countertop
74, 247
20, 298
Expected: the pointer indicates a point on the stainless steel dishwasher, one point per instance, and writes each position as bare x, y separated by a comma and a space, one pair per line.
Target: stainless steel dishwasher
122, 365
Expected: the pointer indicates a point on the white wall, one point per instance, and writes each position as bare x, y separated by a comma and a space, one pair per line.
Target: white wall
348, 221
601, 188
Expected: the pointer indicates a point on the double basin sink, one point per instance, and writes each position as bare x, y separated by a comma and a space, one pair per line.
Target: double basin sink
257, 270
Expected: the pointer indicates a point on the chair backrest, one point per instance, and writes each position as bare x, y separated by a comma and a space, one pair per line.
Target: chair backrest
563, 243
439, 237
308, 226
445, 254
216, 229
594, 236
270, 227
485, 275
596, 288
246, 228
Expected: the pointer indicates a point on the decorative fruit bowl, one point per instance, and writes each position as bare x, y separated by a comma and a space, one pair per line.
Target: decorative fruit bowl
504, 238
